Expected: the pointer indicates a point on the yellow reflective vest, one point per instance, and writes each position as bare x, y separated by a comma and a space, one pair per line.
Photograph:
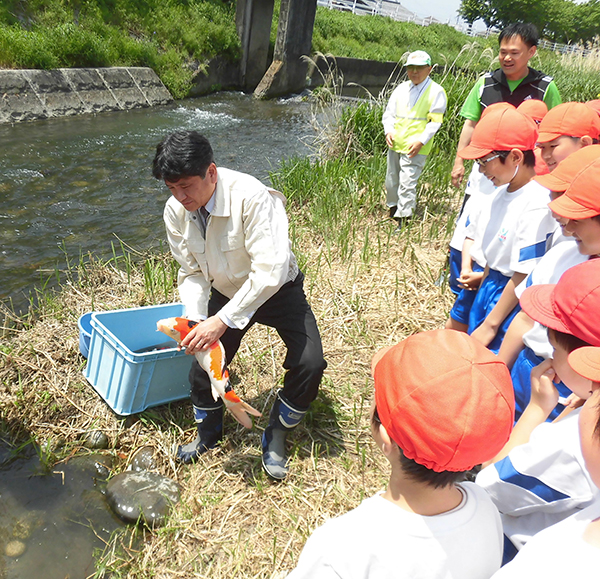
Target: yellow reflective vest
410, 123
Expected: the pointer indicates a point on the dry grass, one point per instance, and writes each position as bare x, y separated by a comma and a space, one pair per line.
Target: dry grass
232, 521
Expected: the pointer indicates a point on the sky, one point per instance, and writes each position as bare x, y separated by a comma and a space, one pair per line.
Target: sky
440, 9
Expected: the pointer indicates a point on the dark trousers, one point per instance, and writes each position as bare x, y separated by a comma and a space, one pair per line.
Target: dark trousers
290, 315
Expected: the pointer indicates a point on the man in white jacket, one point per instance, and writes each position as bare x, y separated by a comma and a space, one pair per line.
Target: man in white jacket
229, 234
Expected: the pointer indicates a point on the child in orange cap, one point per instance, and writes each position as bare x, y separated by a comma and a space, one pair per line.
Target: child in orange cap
565, 129
539, 478
537, 110
443, 403
526, 344
514, 226
579, 534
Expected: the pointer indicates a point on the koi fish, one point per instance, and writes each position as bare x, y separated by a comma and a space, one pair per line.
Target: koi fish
212, 360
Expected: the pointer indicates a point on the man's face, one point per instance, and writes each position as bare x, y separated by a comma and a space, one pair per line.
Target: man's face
514, 57
194, 192
417, 74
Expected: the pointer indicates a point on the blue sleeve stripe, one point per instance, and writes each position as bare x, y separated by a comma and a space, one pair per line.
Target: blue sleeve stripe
468, 221
529, 281
509, 474
533, 251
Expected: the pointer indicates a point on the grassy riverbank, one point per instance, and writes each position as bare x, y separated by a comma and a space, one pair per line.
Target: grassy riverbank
368, 288
177, 39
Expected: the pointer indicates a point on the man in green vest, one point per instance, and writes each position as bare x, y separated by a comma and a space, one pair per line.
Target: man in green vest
413, 115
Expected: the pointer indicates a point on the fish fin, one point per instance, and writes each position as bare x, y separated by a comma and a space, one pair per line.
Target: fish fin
249, 409
215, 393
240, 415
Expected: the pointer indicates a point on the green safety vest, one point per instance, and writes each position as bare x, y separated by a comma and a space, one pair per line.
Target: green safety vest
411, 123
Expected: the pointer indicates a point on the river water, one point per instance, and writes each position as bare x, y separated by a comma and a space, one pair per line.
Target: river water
73, 185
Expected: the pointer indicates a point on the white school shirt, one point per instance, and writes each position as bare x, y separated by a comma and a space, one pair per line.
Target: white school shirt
558, 259
541, 482
518, 226
380, 540
477, 223
478, 188
559, 551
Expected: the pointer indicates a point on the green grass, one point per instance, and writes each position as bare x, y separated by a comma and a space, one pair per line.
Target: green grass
174, 38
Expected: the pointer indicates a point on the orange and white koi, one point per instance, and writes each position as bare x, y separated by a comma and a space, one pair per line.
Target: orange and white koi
213, 361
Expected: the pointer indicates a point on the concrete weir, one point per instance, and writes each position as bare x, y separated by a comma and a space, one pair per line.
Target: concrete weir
27, 95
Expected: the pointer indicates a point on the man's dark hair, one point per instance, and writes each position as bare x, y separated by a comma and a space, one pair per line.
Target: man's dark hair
422, 474
528, 33
528, 157
182, 154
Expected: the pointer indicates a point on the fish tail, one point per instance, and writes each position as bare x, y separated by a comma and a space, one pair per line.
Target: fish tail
240, 409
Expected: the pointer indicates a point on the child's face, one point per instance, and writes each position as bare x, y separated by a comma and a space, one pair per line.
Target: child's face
576, 383
590, 441
562, 221
495, 170
586, 232
553, 152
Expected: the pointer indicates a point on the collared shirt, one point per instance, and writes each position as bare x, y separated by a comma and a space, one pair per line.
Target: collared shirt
246, 256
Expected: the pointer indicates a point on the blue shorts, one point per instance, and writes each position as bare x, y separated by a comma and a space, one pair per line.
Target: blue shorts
455, 267
486, 298
521, 378
464, 301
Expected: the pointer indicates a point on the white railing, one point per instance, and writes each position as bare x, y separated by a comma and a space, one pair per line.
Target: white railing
396, 11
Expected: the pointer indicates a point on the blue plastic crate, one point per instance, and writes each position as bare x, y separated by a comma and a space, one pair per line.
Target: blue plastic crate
122, 370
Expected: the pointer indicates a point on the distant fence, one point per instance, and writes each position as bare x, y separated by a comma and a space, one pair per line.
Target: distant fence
396, 11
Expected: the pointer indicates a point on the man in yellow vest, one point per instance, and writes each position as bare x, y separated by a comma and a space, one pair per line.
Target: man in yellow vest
413, 115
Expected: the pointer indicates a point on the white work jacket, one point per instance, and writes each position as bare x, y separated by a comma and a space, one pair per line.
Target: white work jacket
247, 253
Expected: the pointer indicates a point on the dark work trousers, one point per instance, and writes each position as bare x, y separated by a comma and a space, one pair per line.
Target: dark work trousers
290, 315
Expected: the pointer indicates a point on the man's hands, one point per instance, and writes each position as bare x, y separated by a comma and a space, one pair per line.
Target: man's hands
412, 151
203, 334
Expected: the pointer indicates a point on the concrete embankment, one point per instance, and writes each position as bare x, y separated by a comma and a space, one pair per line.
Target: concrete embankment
27, 95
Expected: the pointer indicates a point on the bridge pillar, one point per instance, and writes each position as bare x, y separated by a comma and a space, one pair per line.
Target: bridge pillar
287, 73
253, 22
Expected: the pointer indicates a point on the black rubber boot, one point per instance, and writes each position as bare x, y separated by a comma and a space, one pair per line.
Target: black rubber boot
209, 422
283, 419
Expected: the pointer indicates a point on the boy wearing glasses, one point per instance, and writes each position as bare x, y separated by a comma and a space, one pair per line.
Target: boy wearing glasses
413, 115
511, 230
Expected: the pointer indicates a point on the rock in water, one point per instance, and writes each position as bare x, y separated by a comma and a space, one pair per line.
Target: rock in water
14, 548
142, 495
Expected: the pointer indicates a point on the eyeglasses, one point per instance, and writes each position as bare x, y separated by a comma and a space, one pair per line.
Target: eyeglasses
484, 162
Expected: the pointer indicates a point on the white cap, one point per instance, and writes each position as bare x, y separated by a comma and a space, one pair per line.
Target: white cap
418, 58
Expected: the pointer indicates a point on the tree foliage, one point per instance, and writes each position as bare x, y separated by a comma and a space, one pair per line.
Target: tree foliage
558, 20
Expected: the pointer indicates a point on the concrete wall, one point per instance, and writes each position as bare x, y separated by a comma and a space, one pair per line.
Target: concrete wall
27, 95
370, 74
